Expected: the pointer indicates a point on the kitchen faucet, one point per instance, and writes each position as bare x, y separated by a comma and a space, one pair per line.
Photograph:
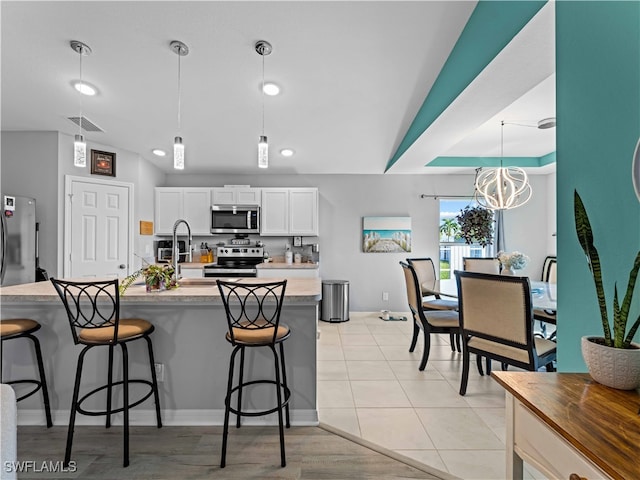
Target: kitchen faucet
176, 247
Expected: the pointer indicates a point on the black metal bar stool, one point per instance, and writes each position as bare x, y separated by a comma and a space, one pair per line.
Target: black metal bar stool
253, 316
14, 328
93, 309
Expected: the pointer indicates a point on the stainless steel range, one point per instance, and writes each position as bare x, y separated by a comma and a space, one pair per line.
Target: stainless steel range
235, 261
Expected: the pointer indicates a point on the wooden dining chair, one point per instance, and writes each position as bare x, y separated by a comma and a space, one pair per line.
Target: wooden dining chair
496, 321
481, 264
432, 299
549, 270
429, 321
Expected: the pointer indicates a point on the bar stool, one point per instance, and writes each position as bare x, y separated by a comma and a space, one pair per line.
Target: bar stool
14, 328
253, 317
93, 309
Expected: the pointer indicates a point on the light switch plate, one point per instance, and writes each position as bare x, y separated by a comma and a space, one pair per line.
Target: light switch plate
297, 241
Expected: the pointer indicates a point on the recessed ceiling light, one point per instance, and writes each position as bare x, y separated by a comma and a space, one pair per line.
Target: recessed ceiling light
158, 152
85, 89
271, 89
287, 152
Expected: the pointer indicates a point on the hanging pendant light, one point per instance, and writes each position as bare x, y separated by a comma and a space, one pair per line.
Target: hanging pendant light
502, 188
79, 145
263, 48
178, 147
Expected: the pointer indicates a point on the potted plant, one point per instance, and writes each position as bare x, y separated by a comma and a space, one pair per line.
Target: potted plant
156, 278
613, 360
476, 225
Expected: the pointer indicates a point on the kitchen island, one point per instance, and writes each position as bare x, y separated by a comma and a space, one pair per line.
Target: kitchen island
189, 341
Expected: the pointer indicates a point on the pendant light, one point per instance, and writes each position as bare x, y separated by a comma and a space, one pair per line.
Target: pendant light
502, 188
263, 48
79, 145
178, 147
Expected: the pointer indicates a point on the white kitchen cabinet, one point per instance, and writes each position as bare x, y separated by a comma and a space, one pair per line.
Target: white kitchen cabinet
237, 196
274, 214
303, 211
191, 272
289, 211
191, 204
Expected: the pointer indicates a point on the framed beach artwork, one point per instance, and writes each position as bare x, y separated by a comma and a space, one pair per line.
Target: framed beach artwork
386, 234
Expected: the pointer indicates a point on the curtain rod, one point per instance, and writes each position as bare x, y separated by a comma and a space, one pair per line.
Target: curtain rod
436, 197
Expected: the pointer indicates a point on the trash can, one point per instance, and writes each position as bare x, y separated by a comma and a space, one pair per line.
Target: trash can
335, 301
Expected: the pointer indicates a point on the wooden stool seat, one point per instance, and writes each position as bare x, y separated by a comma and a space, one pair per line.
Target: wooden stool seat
127, 329
17, 326
13, 329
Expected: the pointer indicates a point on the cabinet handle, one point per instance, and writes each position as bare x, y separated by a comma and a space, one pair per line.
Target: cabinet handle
122, 266
575, 476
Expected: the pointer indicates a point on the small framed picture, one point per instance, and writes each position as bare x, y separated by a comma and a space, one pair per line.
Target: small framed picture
103, 163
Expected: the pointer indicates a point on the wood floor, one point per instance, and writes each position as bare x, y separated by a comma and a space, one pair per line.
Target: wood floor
194, 453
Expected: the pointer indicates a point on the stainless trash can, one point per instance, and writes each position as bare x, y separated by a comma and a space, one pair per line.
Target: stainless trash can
335, 301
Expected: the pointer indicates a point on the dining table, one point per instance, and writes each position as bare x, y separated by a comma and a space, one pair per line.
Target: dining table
543, 294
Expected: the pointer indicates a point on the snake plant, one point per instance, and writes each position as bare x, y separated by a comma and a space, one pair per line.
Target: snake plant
620, 311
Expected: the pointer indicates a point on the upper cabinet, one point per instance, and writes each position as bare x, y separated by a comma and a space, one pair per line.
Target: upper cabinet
289, 211
190, 204
236, 196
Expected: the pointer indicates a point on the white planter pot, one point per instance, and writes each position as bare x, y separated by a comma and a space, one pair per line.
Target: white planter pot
614, 367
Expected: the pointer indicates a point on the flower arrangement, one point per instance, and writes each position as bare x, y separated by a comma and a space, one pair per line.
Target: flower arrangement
513, 260
156, 277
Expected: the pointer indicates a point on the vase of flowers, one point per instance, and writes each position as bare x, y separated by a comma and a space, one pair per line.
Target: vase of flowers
512, 261
156, 278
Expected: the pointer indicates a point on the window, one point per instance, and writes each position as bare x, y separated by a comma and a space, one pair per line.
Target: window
452, 246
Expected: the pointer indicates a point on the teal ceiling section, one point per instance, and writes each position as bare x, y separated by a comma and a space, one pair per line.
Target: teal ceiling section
493, 161
490, 28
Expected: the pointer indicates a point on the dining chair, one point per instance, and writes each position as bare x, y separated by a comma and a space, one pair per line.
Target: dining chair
481, 265
549, 271
427, 279
496, 321
429, 321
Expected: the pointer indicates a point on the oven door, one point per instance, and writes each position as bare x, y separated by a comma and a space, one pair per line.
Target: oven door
230, 272
235, 219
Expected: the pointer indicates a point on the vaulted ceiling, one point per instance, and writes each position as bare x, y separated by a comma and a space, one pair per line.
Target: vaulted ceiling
355, 77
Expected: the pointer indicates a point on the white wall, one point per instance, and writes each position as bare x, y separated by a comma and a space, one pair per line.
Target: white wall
35, 164
28, 165
345, 199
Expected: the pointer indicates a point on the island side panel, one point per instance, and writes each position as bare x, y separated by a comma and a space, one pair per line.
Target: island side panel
189, 339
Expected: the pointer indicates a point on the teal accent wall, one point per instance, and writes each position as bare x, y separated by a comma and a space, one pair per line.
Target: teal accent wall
598, 112
490, 28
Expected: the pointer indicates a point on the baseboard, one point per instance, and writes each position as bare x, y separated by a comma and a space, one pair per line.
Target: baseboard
176, 418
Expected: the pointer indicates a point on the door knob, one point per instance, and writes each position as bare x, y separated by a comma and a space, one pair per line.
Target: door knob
122, 266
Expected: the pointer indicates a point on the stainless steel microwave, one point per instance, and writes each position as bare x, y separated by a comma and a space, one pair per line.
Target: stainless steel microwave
235, 219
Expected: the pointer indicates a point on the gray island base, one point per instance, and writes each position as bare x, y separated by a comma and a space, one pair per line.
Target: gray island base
189, 341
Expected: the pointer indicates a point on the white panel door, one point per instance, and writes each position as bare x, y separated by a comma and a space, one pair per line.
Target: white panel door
303, 211
275, 211
99, 230
197, 210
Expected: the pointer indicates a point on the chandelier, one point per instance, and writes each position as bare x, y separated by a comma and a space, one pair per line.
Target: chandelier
502, 188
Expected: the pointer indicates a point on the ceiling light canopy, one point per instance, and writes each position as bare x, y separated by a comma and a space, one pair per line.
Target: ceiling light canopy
502, 188
79, 145
263, 48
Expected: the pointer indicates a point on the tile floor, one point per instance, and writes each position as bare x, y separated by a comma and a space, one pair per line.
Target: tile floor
369, 385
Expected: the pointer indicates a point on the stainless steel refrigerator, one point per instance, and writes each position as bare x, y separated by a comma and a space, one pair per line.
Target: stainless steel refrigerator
18, 242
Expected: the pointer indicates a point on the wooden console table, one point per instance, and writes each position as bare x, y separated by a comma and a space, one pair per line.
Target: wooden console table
568, 426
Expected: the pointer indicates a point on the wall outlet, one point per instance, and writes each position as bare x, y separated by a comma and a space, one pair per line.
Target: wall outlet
385, 296
159, 371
